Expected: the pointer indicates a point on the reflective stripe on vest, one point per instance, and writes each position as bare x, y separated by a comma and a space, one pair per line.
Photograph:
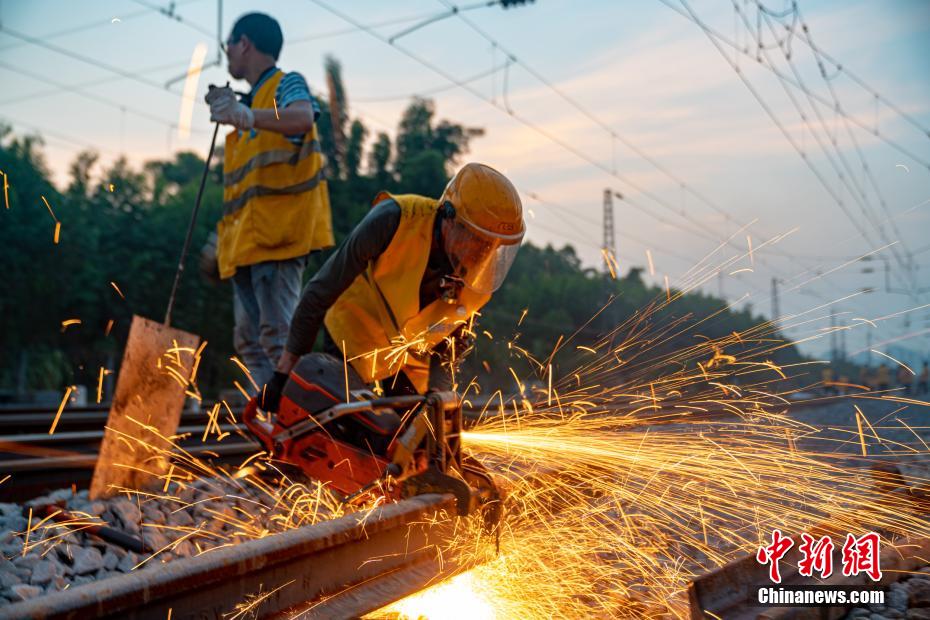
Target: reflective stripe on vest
378, 323
275, 199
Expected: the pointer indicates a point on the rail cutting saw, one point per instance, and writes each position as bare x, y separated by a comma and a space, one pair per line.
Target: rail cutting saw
395, 446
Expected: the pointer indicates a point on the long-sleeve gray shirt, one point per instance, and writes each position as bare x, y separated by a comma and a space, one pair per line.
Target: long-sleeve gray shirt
365, 244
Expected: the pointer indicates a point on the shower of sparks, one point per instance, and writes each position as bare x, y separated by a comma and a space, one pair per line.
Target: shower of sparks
249, 607
635, 469
611, 263
6, 190
243, 368
274, 102
896, 361
654, 468
65, 324
57, 234
61, 407
652, 269
118, 292
103, 373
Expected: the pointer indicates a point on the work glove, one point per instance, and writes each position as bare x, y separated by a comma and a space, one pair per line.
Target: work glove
226, 108
270, 397
209, 267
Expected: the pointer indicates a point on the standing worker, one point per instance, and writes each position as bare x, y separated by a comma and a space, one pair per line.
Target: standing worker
905, 378
275, 200
882, 378
396, 299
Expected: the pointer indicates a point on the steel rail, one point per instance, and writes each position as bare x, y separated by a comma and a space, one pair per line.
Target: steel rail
342, 568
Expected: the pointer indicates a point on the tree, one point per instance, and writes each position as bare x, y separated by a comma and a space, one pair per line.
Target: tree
356, 142
338, 111
379, 159
424, 152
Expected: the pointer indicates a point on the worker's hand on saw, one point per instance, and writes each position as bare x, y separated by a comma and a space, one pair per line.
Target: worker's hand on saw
225, 108
270, 398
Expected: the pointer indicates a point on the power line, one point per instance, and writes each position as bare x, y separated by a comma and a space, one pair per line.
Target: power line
866, 168
719, 37
709, 234
82, 85
536, 128
771, 114
596, 120
171, 14
92, 25
93, 97
87, 60
58, 135
615, 136
848, 179
840, 68
434, 90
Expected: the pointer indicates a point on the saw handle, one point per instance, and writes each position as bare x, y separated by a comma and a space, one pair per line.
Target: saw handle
261, 429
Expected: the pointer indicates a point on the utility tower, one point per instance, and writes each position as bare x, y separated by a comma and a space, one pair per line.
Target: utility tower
610, 242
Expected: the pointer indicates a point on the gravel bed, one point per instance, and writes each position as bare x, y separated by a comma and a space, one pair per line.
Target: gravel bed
907, 599
203, 515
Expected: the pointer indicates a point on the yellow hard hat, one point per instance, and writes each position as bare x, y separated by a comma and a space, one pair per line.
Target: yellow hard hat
486, 227
487, 200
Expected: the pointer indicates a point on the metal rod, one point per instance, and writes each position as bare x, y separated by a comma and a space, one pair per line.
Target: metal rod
190, 227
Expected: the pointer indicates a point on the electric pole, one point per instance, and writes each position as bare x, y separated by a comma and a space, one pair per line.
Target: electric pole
610, 243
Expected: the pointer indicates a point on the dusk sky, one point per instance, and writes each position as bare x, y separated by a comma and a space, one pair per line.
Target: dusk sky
640, 70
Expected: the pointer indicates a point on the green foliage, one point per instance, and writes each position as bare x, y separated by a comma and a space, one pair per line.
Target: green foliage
424, 149
126, 227
379, 160
354, 146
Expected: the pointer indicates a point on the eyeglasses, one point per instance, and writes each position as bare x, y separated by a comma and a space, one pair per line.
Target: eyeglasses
225, 46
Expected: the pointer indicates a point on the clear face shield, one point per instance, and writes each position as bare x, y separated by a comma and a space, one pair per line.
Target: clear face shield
481, 259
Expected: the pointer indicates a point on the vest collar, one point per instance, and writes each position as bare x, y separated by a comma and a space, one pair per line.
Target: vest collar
267, 73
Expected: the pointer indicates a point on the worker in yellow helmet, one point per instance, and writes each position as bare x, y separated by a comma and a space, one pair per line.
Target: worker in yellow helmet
275, 200
401, 291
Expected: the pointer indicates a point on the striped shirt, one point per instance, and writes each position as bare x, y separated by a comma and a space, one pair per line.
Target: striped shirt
291, 89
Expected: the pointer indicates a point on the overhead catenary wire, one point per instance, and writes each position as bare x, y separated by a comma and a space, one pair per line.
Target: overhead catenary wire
95, 24
781, 43
86, 84
840, 68
631, 203
706, 232
542, 132
93, 97
711, 234
56, 134
774, 118
616, 136
723, 39
87, 60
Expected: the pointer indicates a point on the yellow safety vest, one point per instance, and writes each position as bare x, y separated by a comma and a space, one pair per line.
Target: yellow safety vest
378, 323
275, 200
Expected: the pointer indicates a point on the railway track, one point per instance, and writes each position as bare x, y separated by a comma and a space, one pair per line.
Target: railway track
37, 462
342, 568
